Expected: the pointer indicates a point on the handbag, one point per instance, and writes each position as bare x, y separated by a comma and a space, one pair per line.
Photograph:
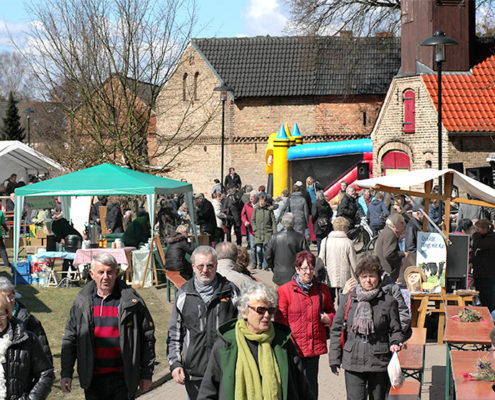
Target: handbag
322, 223
327, 328
343, 335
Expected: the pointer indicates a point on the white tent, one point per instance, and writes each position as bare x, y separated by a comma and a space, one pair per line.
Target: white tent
419, 177
21, 159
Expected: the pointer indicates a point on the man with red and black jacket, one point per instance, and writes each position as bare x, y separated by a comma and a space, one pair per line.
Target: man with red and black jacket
111, 334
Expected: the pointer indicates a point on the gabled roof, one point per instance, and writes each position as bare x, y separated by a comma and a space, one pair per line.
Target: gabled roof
15, 155
468, 100
303, 66
104, 179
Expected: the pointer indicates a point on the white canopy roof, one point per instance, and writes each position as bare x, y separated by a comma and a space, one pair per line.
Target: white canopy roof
21, 159
419, 177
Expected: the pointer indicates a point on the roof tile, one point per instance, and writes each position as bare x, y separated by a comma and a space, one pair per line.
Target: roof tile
298, 66
468, 100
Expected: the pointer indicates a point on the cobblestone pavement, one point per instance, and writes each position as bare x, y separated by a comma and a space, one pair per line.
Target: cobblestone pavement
332, 387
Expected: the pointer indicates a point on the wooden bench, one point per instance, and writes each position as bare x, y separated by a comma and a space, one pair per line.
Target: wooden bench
412, 355
418, 336
410, 390
173, 278
412, 362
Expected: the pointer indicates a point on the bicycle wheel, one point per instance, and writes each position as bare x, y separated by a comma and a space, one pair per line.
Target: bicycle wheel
370, 247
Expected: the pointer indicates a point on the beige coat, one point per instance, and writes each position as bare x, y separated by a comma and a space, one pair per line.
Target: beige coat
339, 258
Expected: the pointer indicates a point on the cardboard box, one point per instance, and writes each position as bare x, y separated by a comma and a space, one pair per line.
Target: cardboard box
40, 242
41, 233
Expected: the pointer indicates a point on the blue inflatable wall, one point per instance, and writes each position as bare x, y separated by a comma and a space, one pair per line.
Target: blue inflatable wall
329, 149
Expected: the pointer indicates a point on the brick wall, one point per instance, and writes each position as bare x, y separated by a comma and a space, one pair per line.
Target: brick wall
422, 146
388, 134
248, 123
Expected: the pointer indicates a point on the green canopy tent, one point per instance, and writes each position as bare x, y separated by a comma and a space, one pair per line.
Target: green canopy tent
102, 180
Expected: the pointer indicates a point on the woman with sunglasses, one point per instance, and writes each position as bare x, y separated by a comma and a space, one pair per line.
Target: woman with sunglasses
26, 372
306, 306
254, 358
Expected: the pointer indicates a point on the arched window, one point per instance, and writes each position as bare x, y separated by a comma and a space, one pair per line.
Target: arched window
409, 101
196, 77
184, 87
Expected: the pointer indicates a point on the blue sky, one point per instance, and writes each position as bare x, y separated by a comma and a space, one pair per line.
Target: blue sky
217, 18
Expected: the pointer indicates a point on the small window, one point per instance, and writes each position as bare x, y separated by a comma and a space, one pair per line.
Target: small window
184, 87
409, 111
196, 76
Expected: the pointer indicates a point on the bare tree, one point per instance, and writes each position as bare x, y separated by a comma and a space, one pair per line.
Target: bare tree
362, 17
15, 76
106, 61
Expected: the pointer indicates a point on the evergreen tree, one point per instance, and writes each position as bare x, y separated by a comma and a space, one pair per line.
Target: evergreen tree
12, 122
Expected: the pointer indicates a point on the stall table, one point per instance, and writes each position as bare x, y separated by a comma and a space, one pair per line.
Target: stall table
51, 256
123, 255
420, 306
465, 361
459, 334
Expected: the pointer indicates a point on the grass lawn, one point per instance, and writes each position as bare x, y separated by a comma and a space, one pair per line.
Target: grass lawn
51, 306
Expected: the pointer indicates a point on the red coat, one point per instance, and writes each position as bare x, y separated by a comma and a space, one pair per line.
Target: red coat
301, 311
246, 214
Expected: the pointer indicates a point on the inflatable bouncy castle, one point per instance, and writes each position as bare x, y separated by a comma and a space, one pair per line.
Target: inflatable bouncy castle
289, 161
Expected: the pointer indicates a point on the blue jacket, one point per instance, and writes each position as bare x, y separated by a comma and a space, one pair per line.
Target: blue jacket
377, 213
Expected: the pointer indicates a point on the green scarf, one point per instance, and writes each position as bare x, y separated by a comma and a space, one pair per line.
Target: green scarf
249, 385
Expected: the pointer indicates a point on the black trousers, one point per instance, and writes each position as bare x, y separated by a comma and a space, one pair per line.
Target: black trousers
3, 253
108, 387
238, 235
361, 384
486, 287
310, 365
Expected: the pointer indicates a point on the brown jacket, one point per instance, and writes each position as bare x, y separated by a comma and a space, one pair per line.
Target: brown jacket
387, 250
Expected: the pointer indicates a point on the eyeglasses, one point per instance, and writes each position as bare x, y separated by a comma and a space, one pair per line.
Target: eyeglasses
306, 269
262, 310
202, 266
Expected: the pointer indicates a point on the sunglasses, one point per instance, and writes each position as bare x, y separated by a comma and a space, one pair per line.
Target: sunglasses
262, 310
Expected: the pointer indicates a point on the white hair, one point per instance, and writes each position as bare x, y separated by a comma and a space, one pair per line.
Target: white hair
256, 291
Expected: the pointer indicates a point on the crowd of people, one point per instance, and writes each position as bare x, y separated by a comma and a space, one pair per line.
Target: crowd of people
229, 335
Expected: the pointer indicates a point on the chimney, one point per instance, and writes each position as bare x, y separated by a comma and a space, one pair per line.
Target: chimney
384, 34
346, 34
421, 18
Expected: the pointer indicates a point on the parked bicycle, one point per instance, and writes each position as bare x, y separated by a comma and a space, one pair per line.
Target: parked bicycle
361, 236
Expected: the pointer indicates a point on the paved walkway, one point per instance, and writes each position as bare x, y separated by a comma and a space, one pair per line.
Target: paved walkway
332, 387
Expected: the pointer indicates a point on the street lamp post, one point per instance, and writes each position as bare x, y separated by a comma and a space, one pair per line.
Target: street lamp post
224, 89
438, 42
28, 112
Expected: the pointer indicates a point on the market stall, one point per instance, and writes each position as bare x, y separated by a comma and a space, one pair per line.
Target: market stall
101, 180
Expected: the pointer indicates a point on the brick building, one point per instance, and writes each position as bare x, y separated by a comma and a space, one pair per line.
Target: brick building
406, 133
333, 87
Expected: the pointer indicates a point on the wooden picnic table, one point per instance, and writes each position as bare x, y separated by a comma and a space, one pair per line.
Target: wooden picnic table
422, 303
458, 334
465, 361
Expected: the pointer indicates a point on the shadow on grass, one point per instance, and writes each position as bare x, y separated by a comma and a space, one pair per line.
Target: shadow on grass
29, 293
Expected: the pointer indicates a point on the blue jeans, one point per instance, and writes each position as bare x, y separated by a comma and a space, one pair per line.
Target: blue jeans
318, 245
260, 254
250, 238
